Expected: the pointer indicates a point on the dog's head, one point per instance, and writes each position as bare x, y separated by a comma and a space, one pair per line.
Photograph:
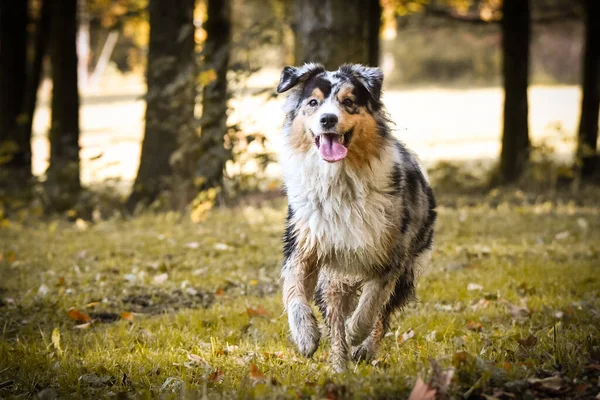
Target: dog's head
333, 112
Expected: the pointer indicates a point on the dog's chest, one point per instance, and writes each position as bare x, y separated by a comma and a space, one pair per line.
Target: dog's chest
345, 217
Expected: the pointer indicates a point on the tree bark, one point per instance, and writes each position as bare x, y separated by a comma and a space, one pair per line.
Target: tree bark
170, 124
516, 33
63, 171
590, 104
34, 76
334, 32
213, 124
15, 150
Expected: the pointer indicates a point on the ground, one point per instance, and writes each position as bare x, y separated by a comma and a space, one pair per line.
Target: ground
157, 305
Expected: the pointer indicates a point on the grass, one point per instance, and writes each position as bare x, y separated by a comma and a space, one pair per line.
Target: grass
510, 304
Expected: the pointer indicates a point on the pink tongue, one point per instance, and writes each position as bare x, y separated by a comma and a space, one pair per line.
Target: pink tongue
331, 149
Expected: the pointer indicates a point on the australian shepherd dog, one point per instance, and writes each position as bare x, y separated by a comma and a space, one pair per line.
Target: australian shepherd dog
361, 212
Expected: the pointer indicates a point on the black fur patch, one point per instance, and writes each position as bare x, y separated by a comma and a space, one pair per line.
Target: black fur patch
316, 82
290, 239
395, 181
404, 292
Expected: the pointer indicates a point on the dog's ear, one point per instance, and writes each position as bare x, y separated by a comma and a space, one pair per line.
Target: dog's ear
370, 77
291, 76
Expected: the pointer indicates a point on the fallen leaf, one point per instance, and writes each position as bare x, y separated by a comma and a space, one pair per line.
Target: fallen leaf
78, 316
81, 224
257, 312
474, 286
409, 334
192, 245
583, 224
127, 316
528, 342
97, 380
87, 325
221, 246
421, 391
255, 374
562, 235
217, 376
219, 292
551, 385
43, 290
160, 278
519, 313
92, 304
474, 326
56, 341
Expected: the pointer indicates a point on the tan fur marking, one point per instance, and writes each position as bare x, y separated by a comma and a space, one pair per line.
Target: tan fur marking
366, 143
300, 140
317, 94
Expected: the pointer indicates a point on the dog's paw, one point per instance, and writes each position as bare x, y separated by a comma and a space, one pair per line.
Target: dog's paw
363, 352
355, 335
304, 328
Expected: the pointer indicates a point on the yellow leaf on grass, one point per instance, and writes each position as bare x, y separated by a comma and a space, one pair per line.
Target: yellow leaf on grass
56, 341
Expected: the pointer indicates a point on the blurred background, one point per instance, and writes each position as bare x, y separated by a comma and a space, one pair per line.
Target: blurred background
129, 104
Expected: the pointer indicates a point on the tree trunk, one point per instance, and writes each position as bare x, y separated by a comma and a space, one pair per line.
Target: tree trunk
213, 154
590, 104
374, 27
15, 150
34, 76
334, 32
516, 32
63, 172
170, 124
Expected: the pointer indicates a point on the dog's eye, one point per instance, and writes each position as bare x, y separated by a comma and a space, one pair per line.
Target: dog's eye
348, 102
313, 103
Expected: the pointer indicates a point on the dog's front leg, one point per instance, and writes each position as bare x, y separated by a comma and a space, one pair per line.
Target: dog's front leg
338, 300
299, 281
375, 295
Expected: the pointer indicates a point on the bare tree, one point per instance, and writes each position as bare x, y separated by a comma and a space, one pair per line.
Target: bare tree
63, 171
334, 32
15, 150
516, 33
213, 154
588, 124
170, 123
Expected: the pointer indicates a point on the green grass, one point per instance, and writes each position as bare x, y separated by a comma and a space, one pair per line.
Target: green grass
215, 325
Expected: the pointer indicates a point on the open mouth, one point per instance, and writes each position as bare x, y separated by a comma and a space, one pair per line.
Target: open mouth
332, 146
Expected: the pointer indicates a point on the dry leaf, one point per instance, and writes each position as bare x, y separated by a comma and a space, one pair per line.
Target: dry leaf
127, 316
78, 316
528, 342
422, 392
257, 312
255, 374
217, 376
474, 286
474, 326
219, 292
160, 278
56, 340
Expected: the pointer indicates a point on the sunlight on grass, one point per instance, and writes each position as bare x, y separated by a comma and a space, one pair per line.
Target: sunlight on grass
510, 296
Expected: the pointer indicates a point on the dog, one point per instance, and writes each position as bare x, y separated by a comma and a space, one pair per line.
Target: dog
361, 212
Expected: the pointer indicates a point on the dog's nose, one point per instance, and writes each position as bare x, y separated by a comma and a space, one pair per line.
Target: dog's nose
328, 120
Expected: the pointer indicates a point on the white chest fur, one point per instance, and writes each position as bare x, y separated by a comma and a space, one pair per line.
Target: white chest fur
346, 213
